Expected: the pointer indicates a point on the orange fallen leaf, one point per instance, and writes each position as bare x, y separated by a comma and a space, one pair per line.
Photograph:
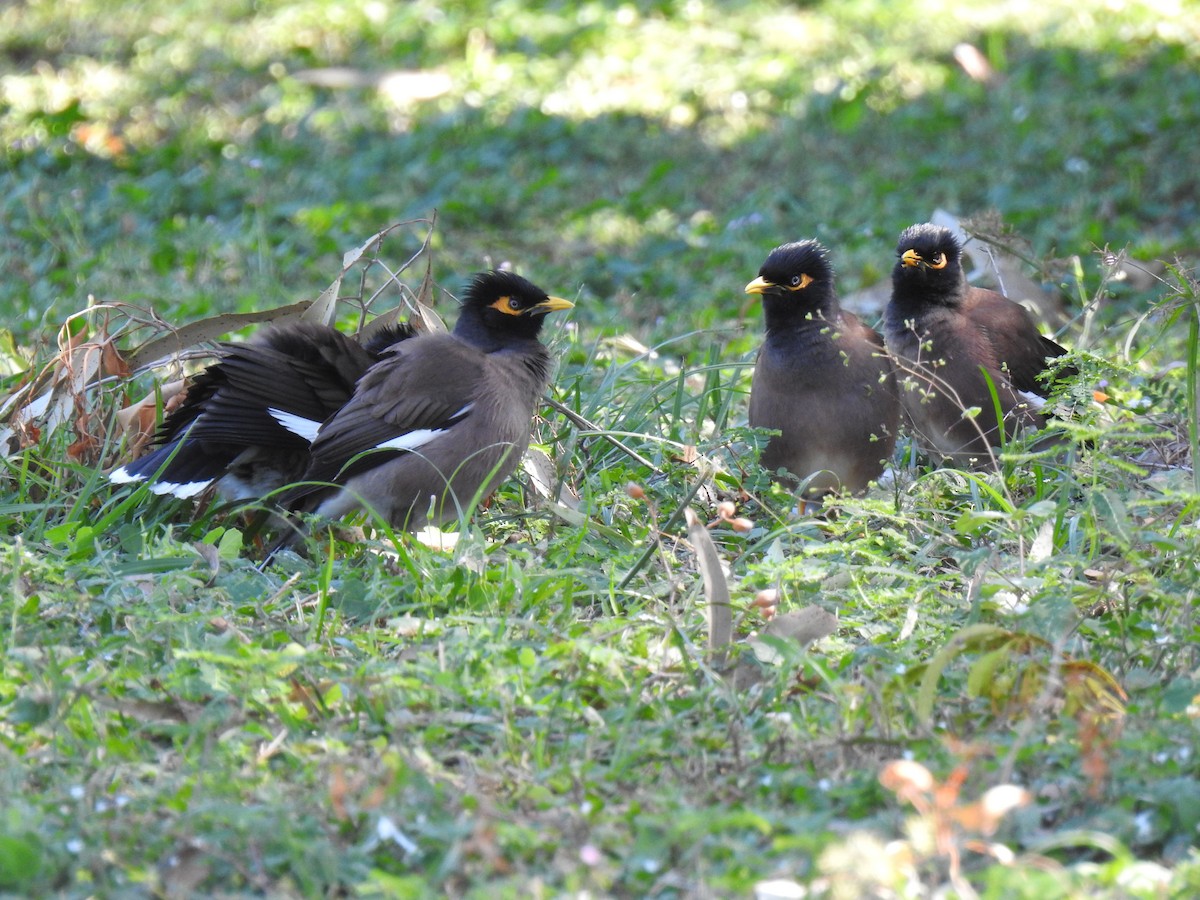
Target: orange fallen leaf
138, 419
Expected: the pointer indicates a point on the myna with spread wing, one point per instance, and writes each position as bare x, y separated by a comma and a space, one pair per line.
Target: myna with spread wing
224, 433
415, 430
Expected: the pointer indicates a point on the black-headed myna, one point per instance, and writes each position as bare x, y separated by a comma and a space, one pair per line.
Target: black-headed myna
414, 428
822, 378
949, 339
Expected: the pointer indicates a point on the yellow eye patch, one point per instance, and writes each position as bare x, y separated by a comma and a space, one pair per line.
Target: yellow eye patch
911, 258
761, 284
510, 306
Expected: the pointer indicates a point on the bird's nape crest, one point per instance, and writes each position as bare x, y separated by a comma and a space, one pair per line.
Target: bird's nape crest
800, 257
487, 288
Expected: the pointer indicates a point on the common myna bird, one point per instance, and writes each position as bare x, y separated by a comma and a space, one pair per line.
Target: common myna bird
822, 378
414, 428
948, 339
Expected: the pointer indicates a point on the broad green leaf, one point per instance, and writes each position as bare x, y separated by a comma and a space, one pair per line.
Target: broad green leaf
933, 671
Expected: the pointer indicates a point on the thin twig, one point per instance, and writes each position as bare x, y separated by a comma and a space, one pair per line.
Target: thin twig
667, 526
580, 422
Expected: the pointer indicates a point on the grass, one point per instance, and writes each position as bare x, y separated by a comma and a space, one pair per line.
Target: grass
537, 712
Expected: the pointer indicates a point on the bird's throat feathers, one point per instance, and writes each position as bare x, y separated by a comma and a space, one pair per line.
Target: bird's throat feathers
786, 314
917, 287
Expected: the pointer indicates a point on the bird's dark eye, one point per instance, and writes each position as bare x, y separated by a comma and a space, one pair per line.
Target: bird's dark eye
514, 303
938, 261
795, 281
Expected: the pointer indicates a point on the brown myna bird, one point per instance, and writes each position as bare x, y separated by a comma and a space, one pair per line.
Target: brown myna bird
949, 340
414, 428
822, 378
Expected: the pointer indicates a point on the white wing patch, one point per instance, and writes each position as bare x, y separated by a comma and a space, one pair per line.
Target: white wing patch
182, 491
412, 440
422, 436
297, 425
124, 476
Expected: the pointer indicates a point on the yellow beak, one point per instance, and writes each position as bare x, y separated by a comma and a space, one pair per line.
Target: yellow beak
552, 304
911, 258
759, 285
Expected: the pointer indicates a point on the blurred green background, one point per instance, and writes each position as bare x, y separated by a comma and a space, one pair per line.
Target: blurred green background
641, 156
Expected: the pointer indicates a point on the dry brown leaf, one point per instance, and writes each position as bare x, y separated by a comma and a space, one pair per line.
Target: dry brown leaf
687, 455
112, 363
540, 468
803, 626
983, 816
86, 446
906, 778
323, 308
799, 626
137, 420
221, 625
716, 588
424, 316
78, 365
211, 555
271, 748
208, 330
339, 787
308, 695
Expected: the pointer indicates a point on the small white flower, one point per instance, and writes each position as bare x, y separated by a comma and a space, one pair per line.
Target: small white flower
1143, 824
386, 830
